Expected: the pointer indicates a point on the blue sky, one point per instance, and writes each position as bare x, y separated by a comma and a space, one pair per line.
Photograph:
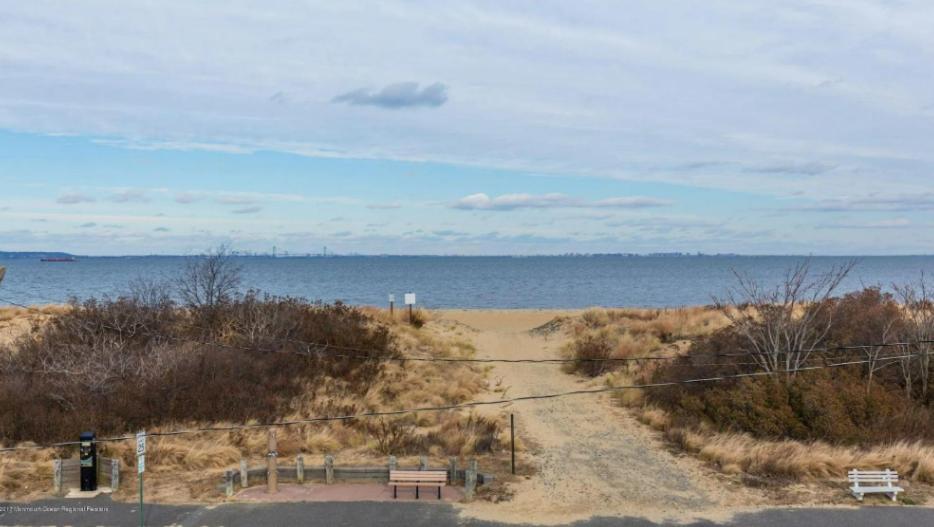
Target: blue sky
480, 128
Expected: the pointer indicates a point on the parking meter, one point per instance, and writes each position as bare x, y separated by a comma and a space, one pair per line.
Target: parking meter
88, 458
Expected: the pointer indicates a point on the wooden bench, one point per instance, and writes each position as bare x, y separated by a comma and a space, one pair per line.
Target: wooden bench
874, 481
417, 478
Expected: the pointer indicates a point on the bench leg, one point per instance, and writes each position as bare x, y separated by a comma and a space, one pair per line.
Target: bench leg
394, 487
416, 491
439, 493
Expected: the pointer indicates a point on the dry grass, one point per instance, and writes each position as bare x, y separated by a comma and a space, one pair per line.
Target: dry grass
632, 333
667, 325
187, 468
736, 453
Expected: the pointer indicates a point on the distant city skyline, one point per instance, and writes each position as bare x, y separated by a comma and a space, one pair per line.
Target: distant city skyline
481, 128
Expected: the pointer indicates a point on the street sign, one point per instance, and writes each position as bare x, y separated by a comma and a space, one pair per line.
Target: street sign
140, 452
392, 298
409, 299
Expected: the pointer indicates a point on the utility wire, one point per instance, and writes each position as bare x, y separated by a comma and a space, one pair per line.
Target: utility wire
443, 408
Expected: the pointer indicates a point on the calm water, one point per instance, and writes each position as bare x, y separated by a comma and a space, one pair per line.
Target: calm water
469, 282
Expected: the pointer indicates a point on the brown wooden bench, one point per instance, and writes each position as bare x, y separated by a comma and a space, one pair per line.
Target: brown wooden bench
417, 478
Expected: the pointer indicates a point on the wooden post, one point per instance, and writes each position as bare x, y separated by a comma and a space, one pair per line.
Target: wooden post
300, 469
512, 440
229, 483
410, 313
470, 480
57, 476
452, 470
422, 462
115, 474
244, 474
272, 471
328, 469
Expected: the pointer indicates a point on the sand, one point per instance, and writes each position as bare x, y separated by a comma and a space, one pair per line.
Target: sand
592, 458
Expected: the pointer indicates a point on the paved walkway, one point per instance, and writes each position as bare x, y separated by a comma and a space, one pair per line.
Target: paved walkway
103, 512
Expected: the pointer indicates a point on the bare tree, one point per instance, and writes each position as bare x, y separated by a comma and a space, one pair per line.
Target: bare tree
209, 280
782, 326
918, 302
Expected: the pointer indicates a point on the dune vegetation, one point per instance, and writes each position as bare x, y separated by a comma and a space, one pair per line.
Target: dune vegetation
822, 400
218, 358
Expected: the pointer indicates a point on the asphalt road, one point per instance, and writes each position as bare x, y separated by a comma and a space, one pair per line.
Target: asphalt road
103, 512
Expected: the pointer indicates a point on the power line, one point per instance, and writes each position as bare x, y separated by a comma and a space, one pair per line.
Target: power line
444, 408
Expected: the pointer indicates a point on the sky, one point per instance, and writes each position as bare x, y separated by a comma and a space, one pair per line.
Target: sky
778, 127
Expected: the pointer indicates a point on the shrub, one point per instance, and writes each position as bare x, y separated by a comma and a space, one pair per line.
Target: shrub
139, 361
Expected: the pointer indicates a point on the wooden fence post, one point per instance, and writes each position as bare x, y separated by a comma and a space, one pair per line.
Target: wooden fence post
300, 469
422, 462
452, 470
470, 480
328, 469
229, 483
272, 471
57, 476
115, 474
244, 474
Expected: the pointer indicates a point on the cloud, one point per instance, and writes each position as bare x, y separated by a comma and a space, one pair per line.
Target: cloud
399, 95
162, 229
895, 223
88, 225
236, 200
247, 210
483, 201
807, 169
129, 196
384, 206
632, 202
901, 202
74, 198
187, 197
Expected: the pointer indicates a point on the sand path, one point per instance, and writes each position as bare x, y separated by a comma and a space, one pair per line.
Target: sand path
592, 458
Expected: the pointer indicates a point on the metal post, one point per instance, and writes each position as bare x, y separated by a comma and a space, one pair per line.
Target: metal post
142, 522
512, 440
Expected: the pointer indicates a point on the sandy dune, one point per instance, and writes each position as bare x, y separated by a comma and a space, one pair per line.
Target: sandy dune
592, 457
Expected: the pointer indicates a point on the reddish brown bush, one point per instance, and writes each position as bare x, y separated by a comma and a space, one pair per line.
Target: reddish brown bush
119, 365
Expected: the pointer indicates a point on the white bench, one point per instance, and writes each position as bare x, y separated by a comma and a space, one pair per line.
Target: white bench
874, 481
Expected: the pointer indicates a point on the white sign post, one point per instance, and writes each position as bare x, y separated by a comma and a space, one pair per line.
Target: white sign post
140, 468
392, 303
410, 301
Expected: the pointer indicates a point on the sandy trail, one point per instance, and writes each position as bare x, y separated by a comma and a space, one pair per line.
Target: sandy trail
592, 457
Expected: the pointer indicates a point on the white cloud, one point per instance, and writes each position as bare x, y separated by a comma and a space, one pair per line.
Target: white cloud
585, 89
482, 201
73, 198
